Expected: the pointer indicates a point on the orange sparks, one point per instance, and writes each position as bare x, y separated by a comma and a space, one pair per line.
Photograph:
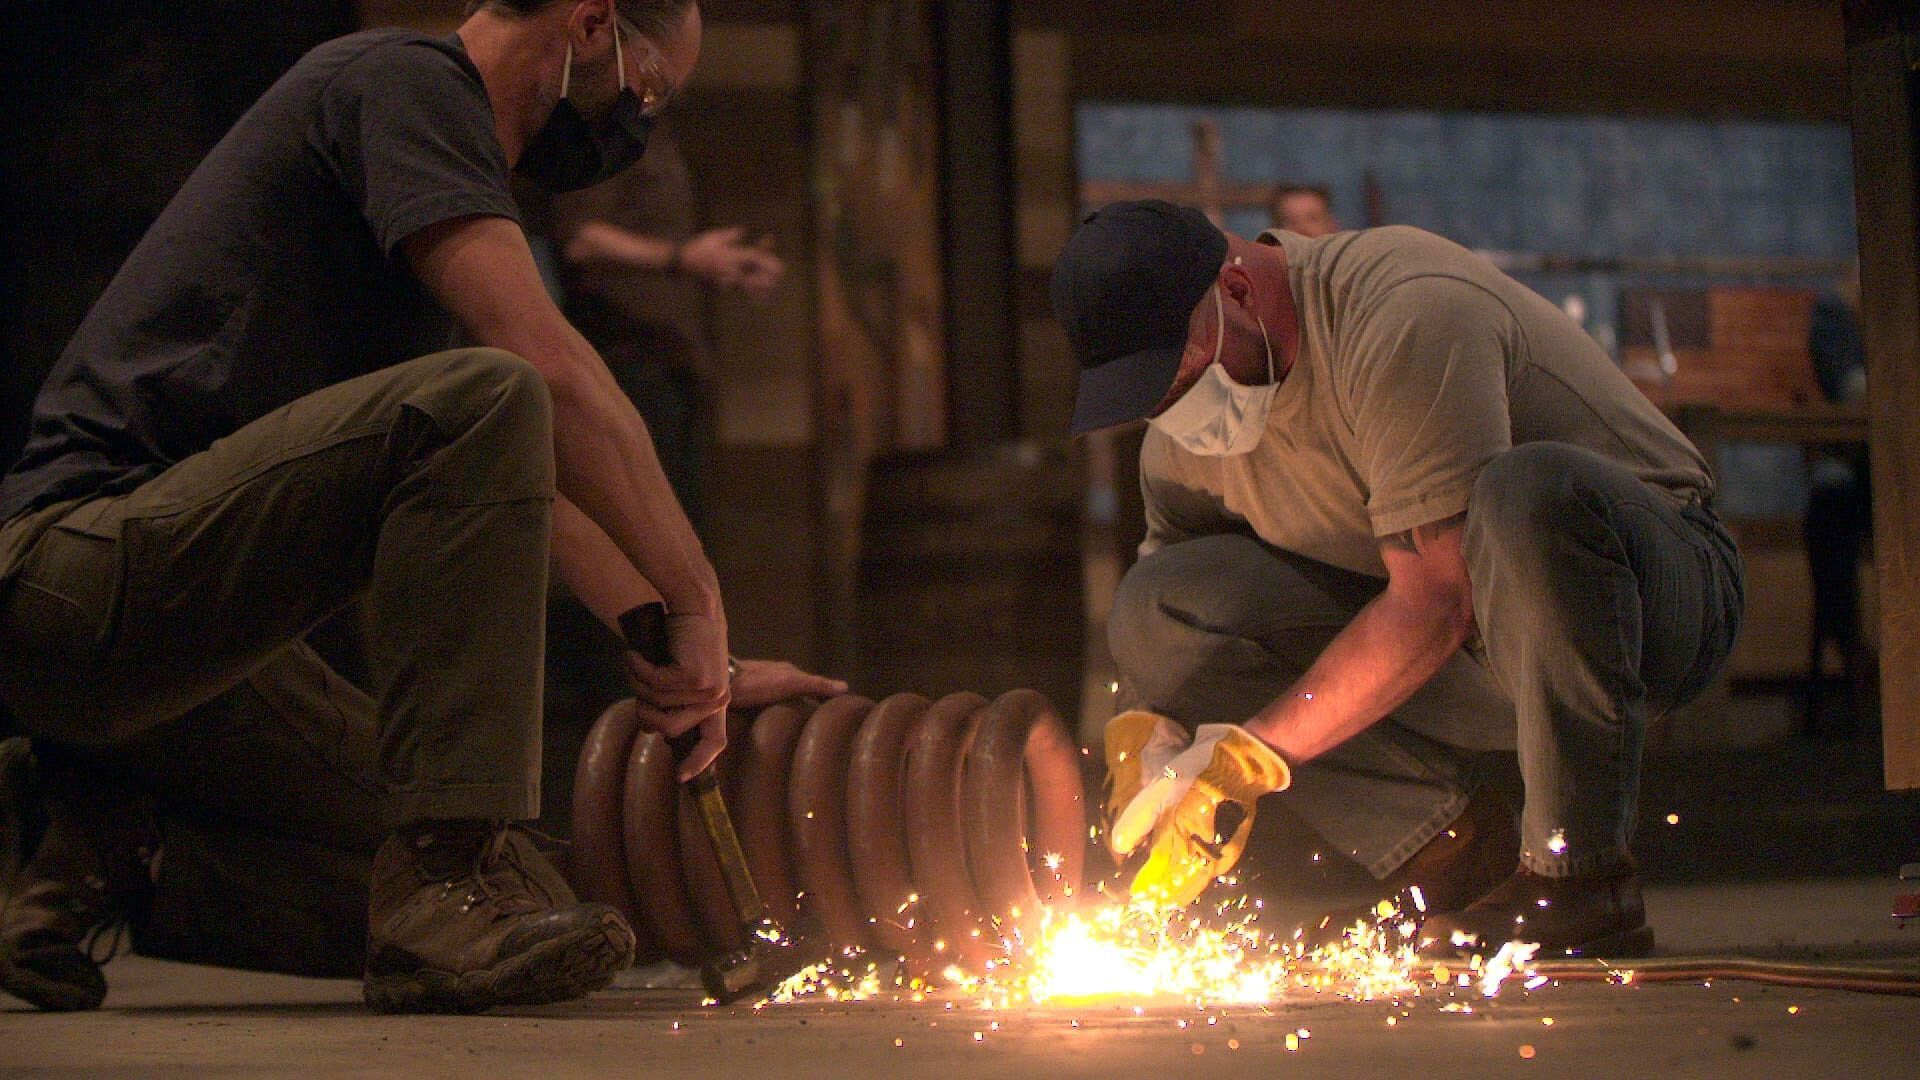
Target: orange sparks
1139, 956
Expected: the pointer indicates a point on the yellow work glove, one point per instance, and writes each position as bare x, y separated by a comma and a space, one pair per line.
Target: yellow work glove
1139, 745
1224, 764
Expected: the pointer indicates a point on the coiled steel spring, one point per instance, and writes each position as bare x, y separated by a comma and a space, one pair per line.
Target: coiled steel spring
931, 830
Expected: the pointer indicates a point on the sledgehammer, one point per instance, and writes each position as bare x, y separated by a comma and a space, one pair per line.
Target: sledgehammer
770, 956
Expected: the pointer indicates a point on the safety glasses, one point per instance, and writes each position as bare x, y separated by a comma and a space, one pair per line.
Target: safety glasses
654, 88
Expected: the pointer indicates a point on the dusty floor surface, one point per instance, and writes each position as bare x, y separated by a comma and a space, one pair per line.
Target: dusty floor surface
169, 1019
1777, 846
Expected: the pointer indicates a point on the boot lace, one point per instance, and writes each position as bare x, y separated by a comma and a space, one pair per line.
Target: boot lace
114, 897
502, 878
106, 940
103, 902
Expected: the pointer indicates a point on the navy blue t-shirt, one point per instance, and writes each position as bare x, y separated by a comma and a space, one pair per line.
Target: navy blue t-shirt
275, 271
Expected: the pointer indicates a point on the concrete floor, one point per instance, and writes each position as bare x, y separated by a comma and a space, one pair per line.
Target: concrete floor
171, 1019
1784, 848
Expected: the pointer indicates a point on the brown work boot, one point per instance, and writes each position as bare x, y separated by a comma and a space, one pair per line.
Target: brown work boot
22, 819
1600, 915
1458, 866
1464, 862
467, 915
73, 887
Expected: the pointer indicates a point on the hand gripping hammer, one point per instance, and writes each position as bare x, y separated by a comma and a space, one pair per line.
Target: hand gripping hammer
769, 956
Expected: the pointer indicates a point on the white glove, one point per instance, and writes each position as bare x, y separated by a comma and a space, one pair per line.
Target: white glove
1139, 745
1246, 769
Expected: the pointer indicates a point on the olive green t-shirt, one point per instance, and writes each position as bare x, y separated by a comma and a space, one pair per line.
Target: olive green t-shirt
1419, 363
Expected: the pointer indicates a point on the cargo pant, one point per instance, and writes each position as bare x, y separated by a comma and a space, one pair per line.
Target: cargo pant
1598, 603
156, 639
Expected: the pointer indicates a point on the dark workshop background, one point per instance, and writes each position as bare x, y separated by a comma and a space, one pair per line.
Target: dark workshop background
890, 497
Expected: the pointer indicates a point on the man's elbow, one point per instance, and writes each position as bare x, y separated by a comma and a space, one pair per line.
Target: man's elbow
580, 401
1444, 608
1462, 624
567, 382
1454, 607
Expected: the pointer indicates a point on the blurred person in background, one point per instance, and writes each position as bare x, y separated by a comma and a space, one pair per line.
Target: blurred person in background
1306, 209
636, 275
1839, 521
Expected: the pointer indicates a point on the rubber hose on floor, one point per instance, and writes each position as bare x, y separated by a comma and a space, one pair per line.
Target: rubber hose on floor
1861, 978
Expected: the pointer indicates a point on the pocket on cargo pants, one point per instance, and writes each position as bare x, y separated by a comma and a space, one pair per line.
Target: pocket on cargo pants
56, 615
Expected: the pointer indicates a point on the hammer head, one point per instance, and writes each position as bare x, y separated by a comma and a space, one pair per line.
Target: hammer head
769, 959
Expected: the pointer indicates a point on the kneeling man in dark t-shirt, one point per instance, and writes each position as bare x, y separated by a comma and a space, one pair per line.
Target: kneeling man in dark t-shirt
261, 421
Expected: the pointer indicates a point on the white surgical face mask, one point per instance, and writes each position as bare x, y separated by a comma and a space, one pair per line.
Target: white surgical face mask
1218, 417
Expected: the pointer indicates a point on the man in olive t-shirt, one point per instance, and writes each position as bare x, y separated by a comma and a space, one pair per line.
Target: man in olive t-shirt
1399, 509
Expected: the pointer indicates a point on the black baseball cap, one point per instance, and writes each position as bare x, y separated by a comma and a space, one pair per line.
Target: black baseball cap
1124, 287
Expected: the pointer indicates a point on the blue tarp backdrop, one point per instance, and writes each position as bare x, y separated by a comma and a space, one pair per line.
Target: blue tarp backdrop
1576, 186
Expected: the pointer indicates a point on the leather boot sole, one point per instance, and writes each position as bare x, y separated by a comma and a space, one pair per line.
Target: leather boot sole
561, 968
1629, 944
57, 978
1332, 928
16, 810
1620, 945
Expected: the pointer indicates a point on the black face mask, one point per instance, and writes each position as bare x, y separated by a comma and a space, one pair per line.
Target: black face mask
568, 153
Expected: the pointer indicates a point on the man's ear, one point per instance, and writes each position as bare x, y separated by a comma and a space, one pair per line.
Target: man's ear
1237, 285
590, 24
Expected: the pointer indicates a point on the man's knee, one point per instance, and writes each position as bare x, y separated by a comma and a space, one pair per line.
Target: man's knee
1526, 495
1186, 585
488, 419
495, 381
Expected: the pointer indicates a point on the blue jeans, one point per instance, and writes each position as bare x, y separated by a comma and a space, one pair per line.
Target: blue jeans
1598, 602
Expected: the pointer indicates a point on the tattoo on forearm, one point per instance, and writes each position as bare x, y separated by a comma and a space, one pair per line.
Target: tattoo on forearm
1418, 537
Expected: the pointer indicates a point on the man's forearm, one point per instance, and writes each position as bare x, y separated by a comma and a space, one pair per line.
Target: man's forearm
594, 568
608, 469
481, 269
598, 245
1386, 653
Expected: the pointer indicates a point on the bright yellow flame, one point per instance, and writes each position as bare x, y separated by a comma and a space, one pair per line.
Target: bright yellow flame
1137, 955
1140, 954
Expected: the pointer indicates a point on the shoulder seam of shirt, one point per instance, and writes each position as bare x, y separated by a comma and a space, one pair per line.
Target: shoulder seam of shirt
1518, 325
1527, 358
1440, 275
369, 46
1337, 387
